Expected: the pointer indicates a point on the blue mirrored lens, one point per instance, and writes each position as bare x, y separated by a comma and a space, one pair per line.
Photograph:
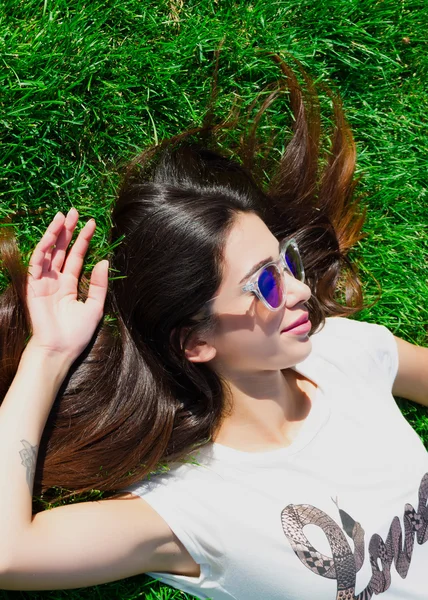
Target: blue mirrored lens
294, 263
270, 286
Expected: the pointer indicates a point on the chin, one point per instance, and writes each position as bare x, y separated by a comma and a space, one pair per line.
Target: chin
302, 351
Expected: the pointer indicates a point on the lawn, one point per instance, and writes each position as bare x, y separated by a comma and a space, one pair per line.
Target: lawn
86, 85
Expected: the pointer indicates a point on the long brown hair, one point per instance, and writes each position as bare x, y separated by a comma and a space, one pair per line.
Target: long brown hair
132, 402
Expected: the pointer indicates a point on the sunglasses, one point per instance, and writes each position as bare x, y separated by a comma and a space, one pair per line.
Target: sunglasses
268, 282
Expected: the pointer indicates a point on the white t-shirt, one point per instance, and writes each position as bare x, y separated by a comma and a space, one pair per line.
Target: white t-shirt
342, 509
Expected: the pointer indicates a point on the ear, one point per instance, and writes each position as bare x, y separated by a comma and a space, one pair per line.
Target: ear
198, 350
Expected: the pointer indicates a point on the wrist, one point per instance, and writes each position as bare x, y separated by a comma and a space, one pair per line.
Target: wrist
58, 363
33, 390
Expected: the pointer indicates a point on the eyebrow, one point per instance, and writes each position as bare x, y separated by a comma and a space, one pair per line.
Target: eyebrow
257, 267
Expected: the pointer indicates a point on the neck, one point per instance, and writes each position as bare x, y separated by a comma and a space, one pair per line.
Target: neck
266, 410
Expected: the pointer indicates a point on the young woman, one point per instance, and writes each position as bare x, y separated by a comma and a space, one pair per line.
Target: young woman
227, 364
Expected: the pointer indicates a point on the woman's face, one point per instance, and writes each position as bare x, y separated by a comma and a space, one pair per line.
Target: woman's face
248, 335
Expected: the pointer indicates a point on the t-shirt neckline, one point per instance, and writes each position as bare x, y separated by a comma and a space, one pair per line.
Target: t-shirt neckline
317, 417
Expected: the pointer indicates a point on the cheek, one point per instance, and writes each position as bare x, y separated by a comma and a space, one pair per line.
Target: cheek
249, 319
242, 339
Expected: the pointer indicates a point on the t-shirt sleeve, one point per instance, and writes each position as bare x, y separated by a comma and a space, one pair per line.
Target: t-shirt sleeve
384, 350
155, 493
359, 339
179, 502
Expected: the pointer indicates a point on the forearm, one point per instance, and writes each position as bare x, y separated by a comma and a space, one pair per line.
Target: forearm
411, 380
23, 416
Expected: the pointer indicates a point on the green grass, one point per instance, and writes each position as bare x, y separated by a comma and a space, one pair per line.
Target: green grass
85, 85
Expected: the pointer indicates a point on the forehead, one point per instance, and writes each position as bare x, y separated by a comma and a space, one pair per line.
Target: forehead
249, 242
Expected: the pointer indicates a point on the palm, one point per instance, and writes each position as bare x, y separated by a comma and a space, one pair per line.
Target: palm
59, 321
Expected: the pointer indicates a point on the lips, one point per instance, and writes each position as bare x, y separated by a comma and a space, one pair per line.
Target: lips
303, 319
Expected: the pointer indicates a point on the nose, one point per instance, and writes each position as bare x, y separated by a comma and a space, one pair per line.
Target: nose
296, 291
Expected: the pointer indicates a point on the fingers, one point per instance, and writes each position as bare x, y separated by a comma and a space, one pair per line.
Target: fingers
98, 287
38, 260
74, 261
50, 252
64, 238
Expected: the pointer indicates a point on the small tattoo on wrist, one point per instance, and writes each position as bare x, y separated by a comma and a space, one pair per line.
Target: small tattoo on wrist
29, 458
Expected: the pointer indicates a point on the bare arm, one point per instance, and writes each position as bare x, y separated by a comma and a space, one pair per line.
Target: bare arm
70, 546
88, 543
23, 416
411, 381
61, 328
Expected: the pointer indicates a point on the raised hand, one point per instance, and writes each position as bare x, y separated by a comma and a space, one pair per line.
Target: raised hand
61, 323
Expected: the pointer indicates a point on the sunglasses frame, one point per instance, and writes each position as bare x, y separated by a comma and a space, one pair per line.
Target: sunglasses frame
252, 285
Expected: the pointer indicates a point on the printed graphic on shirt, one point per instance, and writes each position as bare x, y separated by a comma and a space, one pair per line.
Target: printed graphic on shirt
344, 564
